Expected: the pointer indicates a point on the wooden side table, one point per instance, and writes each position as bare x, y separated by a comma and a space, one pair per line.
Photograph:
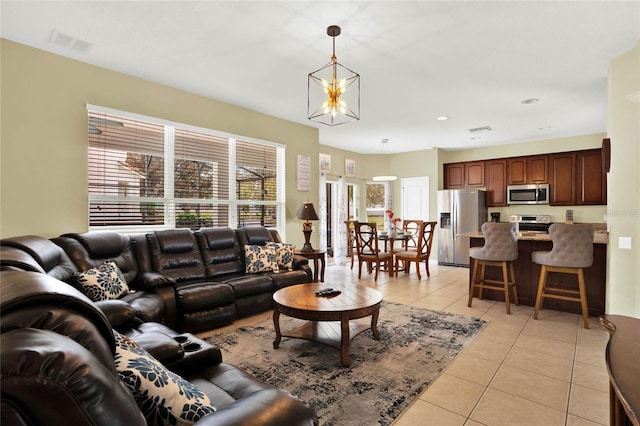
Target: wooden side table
315, 255
621, 357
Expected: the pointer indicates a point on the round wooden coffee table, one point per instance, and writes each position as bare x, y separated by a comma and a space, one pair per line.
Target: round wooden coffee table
328, 316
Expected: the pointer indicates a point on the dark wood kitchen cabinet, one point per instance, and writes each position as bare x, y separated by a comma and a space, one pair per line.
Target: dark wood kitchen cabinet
574, 177
474, 173
532, 169
591, 182
517, 171
463, 175
496, 182
454, 176
562, 172
538, 169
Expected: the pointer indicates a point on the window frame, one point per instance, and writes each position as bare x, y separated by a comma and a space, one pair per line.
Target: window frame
169, 201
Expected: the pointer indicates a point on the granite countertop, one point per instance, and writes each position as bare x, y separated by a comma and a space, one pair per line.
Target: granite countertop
600, 235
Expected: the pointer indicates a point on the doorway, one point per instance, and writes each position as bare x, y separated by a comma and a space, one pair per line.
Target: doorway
334, 203
415, 198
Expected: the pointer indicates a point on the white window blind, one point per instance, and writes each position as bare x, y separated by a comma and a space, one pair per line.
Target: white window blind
256, 184
201, 180
126, 171
146, 173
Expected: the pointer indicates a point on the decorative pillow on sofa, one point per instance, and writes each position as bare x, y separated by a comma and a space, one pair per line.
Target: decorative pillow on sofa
105, 282
284, 254
163, 396
260, 259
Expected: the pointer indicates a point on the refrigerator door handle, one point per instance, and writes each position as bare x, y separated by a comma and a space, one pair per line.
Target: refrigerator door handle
454, 219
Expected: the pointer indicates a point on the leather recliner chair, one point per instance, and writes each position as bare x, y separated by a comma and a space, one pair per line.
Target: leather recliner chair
57, 353
38, 254
90, 249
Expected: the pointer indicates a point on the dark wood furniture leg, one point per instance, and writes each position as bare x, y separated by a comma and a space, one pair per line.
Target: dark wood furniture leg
276, 325
344, 345
374, 324
322, 265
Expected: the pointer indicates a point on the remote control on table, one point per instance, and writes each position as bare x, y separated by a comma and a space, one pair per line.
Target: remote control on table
323, 291
330, 293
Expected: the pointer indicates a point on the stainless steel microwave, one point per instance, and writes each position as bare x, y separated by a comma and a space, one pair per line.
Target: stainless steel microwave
528, 194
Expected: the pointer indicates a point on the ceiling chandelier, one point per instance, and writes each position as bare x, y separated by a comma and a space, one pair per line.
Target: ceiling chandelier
333, 91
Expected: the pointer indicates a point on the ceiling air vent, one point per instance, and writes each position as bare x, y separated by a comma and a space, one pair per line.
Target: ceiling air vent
70, 42
480, 129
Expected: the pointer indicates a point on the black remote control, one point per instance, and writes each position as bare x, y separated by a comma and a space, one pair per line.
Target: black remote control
322, 291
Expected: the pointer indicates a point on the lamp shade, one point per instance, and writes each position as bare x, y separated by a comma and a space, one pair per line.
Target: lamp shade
307, 212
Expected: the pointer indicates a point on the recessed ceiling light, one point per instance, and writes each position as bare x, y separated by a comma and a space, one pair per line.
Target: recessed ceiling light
442, 118
530, 101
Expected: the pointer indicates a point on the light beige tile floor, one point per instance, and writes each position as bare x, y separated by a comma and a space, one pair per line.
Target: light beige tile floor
518, 371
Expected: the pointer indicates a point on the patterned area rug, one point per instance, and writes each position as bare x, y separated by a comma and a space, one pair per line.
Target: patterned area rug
384, 377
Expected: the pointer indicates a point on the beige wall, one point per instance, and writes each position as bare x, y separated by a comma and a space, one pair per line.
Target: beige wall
623, 127
44, 142
43, 149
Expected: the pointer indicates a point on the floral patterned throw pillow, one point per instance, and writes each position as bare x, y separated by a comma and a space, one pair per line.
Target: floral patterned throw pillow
105, 282
260, 259
284, 254
163, 397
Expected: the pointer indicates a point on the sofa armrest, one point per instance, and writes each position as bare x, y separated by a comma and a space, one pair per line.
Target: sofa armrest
119, 313
152, 280
299, 261
49, 379
162, 347
197, 360
257, 409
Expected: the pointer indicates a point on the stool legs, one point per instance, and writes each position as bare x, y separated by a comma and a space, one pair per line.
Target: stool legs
579, 296
541, 284
504, 285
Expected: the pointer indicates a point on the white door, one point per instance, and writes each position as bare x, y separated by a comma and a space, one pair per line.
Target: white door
415, 198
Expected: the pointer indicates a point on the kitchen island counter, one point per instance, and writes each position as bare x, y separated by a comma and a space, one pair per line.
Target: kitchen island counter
528, 273
599, 236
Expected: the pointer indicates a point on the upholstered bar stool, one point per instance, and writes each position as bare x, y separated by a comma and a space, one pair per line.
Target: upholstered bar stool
500, 250
572, 251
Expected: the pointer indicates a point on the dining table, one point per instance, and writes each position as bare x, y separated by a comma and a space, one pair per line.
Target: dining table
390, 239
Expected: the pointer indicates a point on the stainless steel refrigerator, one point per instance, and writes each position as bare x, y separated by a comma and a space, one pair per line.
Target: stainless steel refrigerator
460, 211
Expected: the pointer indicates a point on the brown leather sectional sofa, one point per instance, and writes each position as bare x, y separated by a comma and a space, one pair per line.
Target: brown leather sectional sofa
59, 365
190, 281
57, 349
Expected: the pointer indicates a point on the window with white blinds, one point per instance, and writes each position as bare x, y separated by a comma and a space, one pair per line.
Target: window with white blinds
148, 174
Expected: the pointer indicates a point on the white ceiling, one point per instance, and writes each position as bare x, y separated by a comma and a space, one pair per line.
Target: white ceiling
473, 61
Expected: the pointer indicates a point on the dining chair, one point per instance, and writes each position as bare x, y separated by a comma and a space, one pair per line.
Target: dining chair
352, 248
572, 251
411, 227
424, 237
367, 249
500, 250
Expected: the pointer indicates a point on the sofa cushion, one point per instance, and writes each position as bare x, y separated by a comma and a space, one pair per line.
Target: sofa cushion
284, 254
220, 251
163, 396
104, 282
248, 285
200, 296
260, 259
176, 241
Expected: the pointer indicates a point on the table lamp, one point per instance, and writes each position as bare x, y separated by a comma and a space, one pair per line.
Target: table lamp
307, 212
